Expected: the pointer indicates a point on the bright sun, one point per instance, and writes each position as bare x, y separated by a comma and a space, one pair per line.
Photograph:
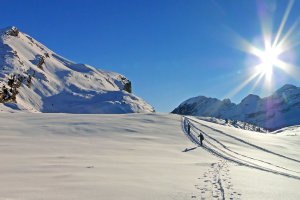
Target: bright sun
271, 49
268, 59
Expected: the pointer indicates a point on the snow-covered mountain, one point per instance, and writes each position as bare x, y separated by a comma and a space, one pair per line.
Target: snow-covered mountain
34, 78
279, 110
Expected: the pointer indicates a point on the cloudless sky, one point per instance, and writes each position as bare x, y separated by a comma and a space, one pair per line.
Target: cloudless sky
170, 49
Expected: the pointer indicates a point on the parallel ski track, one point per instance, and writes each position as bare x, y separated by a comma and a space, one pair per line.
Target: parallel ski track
226, 153
245, 142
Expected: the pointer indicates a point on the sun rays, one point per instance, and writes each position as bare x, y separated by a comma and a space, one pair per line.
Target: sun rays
268, 55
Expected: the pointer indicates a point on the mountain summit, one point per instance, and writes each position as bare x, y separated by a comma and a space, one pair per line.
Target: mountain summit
36, 79
279, 110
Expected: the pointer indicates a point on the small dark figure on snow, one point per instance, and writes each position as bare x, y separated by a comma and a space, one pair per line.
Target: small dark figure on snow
201, 138
189, 128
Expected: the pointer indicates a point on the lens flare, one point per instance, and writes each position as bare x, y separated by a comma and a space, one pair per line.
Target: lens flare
269, 57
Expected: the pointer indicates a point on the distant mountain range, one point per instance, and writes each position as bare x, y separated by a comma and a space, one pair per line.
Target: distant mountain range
34, 78
279, 110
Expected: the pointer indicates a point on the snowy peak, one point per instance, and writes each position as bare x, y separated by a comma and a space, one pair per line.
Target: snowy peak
287, 93
226, 101
199, 99
12, 31
276, 111
250, 98
37, 79
207, 106
286, 88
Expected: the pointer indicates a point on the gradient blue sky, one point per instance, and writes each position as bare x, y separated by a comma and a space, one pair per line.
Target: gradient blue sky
170, 49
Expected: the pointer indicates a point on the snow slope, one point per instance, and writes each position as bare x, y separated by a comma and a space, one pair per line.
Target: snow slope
279, 110
233, 123
39, 80
142, 156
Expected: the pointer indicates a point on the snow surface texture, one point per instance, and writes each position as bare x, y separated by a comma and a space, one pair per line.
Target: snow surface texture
142, 156
47, 82
234, 123
276, 111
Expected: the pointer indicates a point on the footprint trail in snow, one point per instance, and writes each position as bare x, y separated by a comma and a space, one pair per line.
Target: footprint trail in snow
216, 183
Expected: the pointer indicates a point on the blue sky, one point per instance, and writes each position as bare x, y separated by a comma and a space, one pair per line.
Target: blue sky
170, 49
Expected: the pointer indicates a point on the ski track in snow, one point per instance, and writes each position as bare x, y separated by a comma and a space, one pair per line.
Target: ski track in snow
217, 182
193, 127
225, 154
245, 142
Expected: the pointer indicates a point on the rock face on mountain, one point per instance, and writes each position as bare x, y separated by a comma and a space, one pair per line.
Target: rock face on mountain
36, 79
276, 111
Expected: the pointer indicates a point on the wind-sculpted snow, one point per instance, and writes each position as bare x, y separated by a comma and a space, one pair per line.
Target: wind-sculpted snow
39, 80
142, 156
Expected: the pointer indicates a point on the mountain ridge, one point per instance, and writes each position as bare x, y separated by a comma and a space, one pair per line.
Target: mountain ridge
276, 111
36, 79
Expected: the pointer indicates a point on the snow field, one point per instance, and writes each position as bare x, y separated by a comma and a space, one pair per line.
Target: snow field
142, 156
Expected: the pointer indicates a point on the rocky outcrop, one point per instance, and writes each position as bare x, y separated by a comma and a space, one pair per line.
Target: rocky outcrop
40, 61
13, 31
127, 84
8, 93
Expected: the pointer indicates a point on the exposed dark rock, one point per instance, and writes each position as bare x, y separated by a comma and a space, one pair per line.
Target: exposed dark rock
13, 31
41, 61
38, 61
127, 87
9, 95
47, 55
28, 81
127, 84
